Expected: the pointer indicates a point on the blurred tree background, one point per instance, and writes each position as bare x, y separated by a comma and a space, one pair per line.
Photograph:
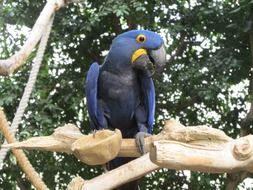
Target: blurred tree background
208, 78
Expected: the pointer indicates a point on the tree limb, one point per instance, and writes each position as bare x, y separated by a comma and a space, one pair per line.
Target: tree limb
128, 172
196, 148
69, 139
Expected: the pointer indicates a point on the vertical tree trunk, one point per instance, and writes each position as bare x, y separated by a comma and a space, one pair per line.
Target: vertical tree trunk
235, 178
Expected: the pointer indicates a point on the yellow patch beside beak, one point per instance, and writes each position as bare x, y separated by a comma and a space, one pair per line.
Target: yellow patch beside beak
138, 53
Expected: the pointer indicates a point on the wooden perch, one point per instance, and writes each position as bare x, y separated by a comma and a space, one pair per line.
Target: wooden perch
63, 138
60, 141
197, 148
233, 156
92, 149
114, 178
10, 65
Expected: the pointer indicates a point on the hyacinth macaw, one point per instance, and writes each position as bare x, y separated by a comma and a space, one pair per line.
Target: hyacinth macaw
120, 93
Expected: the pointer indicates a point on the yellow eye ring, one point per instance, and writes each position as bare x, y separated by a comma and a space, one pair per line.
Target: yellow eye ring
141, 38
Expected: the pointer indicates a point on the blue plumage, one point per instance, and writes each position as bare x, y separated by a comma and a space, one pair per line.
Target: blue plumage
97, 119
120, 93
91, 94
95, 109
149, 97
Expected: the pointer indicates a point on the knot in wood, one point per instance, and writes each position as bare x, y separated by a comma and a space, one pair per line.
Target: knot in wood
242, 148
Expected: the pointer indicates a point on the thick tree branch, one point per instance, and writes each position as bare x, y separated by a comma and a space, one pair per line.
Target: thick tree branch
70, 140
196, 148
128, 172
230, 157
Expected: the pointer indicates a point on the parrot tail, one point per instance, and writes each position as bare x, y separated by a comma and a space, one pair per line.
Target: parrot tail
119, 161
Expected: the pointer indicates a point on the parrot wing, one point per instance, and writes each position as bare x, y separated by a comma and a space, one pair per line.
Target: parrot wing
148, 91
95, 110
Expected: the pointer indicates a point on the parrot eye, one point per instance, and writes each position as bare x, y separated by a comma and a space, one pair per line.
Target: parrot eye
141, 38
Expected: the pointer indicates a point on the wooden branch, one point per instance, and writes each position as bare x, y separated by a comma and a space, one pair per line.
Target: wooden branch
70, 140
196, 148
10, 65
119, 176
230, 157
60, 141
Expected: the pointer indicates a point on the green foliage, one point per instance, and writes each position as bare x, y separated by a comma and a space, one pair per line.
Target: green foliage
205, 82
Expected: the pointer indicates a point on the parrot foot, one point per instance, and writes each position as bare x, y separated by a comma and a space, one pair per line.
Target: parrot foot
139, 139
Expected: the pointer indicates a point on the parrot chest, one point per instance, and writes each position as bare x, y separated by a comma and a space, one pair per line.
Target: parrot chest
121, 95
123, 89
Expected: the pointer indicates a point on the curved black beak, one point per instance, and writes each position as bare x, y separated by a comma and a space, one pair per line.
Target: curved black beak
158, 58
150, 61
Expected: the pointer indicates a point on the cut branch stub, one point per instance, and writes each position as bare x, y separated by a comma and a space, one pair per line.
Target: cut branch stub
233, 156
243, 148
181, 156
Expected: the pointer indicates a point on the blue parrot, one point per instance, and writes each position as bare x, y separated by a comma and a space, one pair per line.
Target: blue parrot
120, 93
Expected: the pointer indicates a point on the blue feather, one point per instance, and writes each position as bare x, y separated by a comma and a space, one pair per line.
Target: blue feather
94, 109
149, 98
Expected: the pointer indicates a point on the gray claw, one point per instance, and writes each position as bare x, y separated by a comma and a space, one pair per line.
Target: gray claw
139, 139
94, 133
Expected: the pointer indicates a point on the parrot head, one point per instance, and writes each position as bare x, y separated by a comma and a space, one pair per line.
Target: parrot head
139, 49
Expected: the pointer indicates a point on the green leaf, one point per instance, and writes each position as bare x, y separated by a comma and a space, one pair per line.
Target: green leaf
235, 10
232, 25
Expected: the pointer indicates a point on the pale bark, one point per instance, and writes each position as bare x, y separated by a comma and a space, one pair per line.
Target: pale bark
64, 137
119, 176
231, 157
196, 148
